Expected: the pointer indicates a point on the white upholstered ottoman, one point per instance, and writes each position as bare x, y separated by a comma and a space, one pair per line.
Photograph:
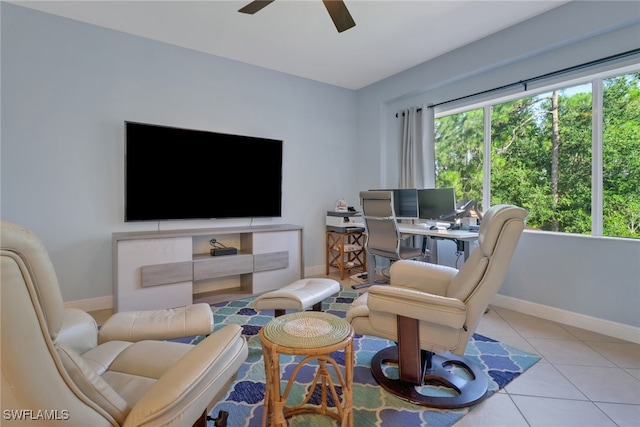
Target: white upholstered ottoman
190, 320
299, 295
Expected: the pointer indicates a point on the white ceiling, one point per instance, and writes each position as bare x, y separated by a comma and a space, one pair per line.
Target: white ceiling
298, 36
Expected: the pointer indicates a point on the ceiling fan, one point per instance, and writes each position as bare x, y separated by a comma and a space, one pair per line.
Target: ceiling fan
337, 10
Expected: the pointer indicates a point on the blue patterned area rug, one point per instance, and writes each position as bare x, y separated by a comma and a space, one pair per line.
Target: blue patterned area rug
372, 405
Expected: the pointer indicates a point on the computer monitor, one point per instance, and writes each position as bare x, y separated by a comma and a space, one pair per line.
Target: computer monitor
437, 204
405, 202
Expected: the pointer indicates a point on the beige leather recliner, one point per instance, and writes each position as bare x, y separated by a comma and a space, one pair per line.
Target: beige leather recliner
55, 372
430, 309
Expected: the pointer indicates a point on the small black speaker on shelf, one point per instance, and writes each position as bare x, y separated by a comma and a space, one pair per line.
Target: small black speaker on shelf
223, 251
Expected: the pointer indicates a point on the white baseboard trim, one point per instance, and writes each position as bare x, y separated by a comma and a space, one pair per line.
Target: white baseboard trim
315, 271
593, 324
91, 304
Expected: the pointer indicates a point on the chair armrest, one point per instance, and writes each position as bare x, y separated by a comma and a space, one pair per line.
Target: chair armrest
418, 305
358, 308
79, 330
422, 276
188, 388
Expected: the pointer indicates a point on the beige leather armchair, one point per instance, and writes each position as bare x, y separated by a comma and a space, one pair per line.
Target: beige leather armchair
431, 309
55, 372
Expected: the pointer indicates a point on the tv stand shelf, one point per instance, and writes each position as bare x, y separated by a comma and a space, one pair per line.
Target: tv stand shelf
171, 268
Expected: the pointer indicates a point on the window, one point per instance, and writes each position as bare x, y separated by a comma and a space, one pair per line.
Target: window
459, 156
541, 158
542, 151
621, 156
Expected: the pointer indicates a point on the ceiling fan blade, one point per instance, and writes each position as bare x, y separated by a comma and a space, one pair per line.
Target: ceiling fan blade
340, 14
255, 6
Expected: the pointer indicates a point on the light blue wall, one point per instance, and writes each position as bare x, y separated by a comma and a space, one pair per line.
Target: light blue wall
596, 277
67, 88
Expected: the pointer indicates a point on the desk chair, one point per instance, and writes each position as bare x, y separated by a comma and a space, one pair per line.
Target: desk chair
381, 226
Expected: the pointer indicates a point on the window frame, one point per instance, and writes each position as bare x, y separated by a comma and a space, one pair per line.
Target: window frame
595, 79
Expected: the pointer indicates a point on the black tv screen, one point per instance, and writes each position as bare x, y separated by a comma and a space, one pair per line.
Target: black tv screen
436, 203
173, 173
405, 202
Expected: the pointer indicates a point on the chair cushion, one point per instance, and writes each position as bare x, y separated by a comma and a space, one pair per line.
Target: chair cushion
198, 378
299, 295
190, 320
91, 384
422, 276
79, 330
149, 359
138, 366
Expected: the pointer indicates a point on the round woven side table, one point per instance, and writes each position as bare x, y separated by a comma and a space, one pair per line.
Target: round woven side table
314, 335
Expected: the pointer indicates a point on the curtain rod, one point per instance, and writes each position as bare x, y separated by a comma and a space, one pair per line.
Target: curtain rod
541, 77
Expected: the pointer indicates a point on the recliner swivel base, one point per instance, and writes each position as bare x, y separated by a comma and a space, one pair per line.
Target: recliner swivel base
467, 392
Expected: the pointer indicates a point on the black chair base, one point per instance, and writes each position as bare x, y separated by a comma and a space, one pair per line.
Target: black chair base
221, 420
467, 392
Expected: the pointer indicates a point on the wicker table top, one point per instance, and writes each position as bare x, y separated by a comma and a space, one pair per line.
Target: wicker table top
307, 329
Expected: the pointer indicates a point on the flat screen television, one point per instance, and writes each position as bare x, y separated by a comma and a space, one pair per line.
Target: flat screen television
437, 204
173, 174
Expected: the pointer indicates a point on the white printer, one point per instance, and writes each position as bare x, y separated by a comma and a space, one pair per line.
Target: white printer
343, 221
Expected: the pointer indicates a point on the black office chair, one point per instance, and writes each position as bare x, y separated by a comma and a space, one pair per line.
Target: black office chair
381, 225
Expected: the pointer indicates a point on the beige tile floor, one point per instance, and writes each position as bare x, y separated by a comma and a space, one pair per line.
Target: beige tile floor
584, 379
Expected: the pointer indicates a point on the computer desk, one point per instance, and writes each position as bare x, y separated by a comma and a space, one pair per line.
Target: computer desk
465, 237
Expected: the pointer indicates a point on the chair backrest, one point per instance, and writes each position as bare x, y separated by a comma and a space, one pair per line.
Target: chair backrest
482, 275
30, 249
33, 377
381, 225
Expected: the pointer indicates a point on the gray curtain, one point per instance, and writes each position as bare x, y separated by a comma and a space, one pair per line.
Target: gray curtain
417, 158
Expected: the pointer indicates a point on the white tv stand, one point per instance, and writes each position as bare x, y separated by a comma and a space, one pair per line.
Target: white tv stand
172, 268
